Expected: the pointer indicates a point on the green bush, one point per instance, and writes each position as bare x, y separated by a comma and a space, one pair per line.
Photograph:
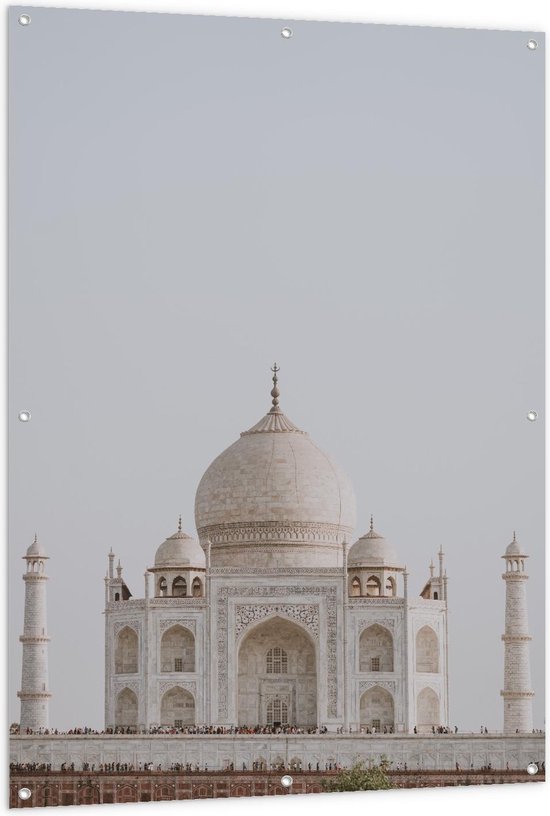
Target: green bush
359, 778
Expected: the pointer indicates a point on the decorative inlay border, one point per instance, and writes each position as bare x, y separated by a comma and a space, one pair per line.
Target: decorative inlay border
131, 623
166, 685
335, 572
255, 591
188, 623
381, 601
290, 531
305, 614
364, 623
133, 685
389, 685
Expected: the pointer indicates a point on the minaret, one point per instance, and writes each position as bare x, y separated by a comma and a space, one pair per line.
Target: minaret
517, 694
34, 694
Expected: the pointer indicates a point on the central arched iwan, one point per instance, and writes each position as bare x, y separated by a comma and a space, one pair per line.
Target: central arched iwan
277, 676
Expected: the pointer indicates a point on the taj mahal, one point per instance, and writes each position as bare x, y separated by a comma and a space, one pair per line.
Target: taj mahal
276, 615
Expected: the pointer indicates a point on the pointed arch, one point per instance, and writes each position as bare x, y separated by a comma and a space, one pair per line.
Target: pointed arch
355, 587
376, 649
127, 793
126, 709
377, 709
391, 587
88, 795
373, 586
196, 588
427, 709
126, 651
427, 650
177, 650
164, 793
241, 790
264, 696
179, 587
177, 708
162, 587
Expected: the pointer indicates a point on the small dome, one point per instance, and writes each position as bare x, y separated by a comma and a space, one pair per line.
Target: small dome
371, 550
36, 548
180, 550
513, 548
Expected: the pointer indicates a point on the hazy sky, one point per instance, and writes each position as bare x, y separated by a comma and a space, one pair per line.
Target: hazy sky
192, 198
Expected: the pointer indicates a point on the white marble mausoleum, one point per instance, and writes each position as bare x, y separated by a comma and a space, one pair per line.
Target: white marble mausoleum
276, 614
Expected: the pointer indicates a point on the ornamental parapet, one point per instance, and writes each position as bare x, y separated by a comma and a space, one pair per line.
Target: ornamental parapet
380, 600
152, 603
123, 606
515, 638
34, 638
517, 695
34, 695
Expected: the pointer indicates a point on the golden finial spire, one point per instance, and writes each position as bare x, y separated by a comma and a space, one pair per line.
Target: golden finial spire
179, 524
275, 393
514, 538
371, 523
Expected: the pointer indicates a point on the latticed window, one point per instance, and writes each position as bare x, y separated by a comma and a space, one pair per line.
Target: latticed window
277, 661
178, 723
376, 725
375, 664
178, 664
277, 712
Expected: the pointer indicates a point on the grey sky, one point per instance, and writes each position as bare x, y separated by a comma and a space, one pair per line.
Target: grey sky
192, 198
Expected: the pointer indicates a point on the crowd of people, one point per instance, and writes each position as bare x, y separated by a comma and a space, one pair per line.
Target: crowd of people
175, 767
191, 730
187, 730
187, 767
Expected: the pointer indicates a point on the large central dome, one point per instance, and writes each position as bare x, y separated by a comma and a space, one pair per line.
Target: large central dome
274, 498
